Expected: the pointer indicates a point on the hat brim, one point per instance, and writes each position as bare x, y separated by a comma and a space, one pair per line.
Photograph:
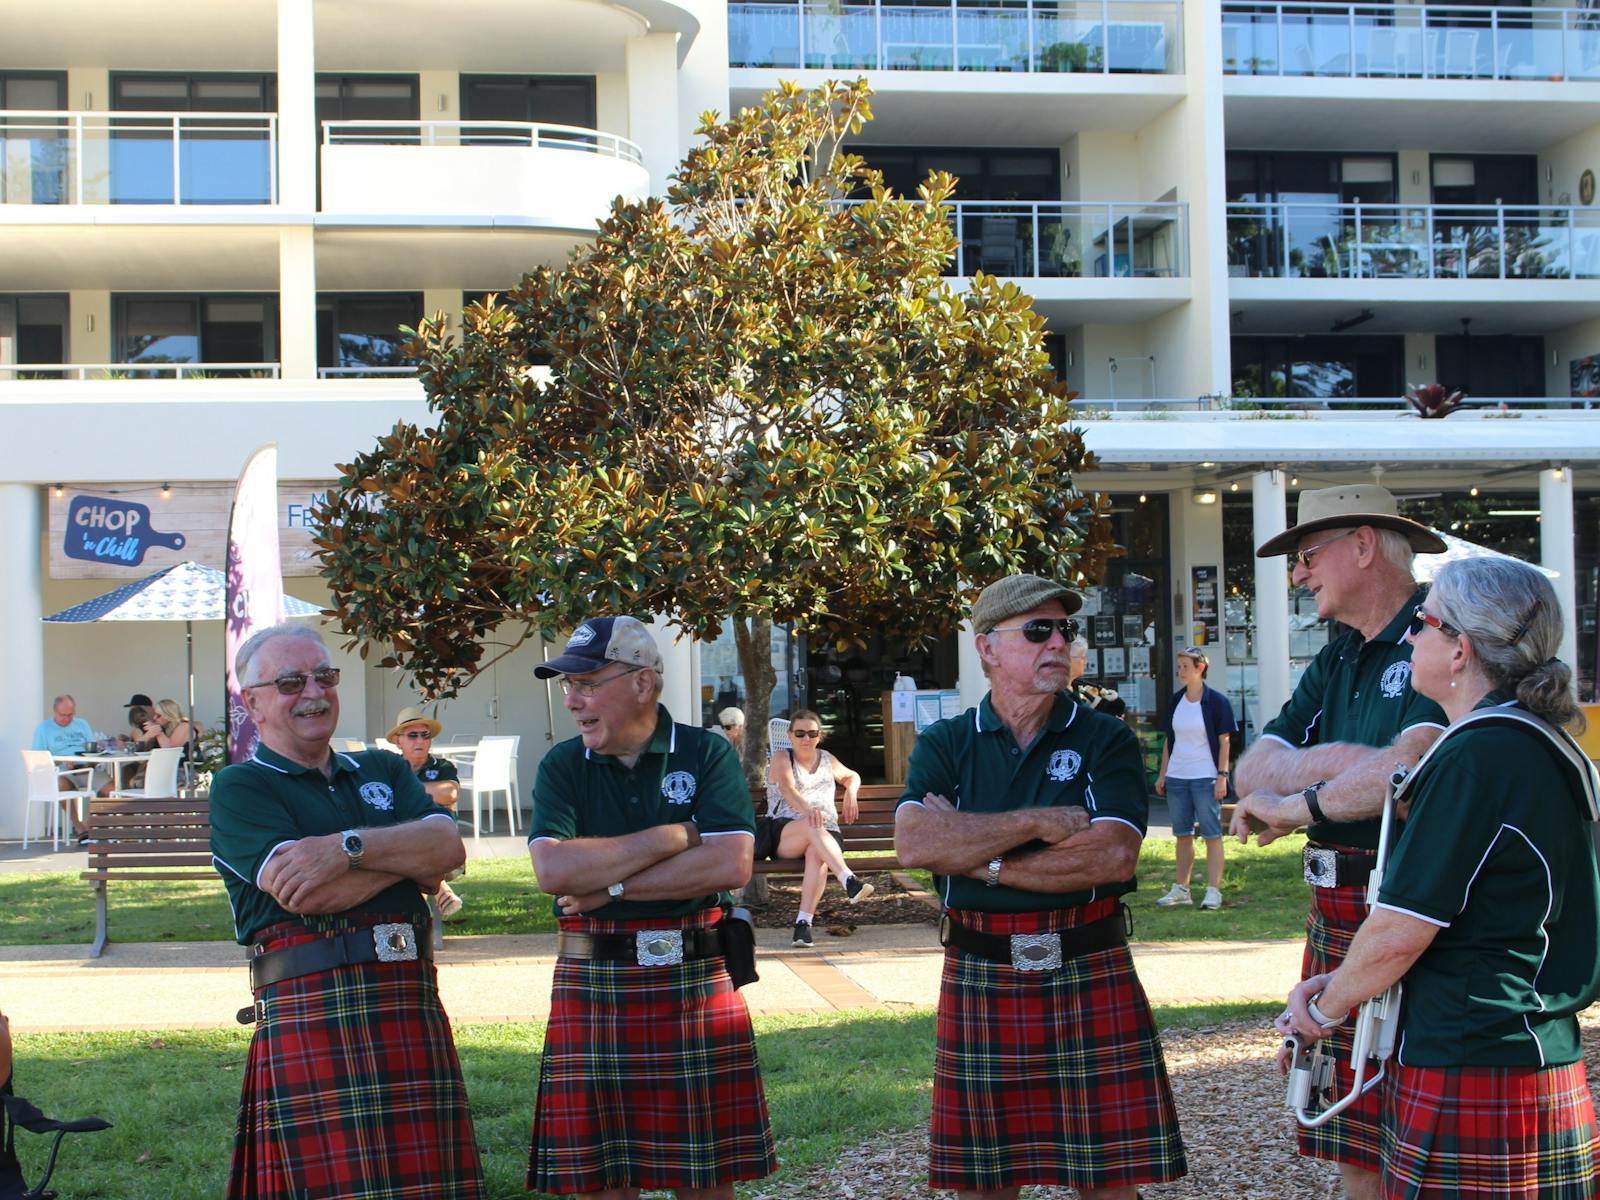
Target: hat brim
1423, 540
568, 664
433, 728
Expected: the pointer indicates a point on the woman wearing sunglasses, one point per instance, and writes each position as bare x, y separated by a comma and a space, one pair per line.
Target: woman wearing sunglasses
1489, 911
1193, 777
804, 818
413, 735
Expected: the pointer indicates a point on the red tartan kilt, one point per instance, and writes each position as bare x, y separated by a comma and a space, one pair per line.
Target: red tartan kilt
352, 1087
1513, 1133
649, 1076
1049, 1077
1352, 1136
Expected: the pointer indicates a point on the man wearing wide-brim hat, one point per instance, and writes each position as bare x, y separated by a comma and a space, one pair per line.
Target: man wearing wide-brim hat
412, 734
1030, 810
1324, 760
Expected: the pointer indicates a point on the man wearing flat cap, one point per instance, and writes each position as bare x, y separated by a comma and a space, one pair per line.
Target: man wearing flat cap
641, 827
1030, 810
1325, 759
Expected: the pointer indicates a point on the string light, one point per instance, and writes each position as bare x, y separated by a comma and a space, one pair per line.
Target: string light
1294, 481
166, 491
1234, 486
59, 492
1473, 491
1142, 497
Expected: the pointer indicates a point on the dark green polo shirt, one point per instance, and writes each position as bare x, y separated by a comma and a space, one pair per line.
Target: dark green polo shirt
257, 806
1496, 852
438, 770
1356, 691
684, 774
1082, 758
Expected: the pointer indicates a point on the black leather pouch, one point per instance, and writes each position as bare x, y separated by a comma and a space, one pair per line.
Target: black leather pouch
738, 934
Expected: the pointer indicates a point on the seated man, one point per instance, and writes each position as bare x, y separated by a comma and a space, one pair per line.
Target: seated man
64, 732
413, 734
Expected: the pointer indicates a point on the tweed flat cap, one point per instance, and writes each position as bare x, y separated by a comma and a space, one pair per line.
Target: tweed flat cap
1017, 594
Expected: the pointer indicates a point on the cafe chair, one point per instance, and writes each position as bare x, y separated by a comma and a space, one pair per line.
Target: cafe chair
516, 787
160, 777
43, 788
491, 773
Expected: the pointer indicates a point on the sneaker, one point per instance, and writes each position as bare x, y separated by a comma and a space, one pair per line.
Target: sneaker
449, 904
802, 933
1213, 899
1178, 895
857, 888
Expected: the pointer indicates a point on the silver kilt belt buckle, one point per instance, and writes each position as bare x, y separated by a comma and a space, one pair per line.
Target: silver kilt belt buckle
395, 942
1036, 951
1321, 866
659, 947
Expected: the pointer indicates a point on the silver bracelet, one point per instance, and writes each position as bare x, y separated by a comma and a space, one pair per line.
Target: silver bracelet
1319, 1016
993, 879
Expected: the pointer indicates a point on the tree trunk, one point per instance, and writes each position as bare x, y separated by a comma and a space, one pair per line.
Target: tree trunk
754, 643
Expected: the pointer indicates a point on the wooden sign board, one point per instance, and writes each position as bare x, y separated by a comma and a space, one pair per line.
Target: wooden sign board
126, 531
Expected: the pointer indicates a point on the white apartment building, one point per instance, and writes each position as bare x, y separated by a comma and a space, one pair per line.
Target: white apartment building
1248, 224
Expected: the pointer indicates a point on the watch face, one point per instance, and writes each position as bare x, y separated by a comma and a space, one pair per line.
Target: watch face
352, 844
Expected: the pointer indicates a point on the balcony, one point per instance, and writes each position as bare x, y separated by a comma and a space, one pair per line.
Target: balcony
1412, 241
1028, 36
513, 172
53, 158
1407, 41
81, 372
1059, 239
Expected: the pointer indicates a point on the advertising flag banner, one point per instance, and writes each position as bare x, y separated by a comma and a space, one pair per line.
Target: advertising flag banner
255, 582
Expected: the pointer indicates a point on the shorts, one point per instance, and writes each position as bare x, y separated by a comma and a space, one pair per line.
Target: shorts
769, 831
1192, 801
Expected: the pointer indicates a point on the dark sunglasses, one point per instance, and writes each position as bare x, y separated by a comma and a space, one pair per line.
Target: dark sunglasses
1420, 618
1040, 628
805, 733
293, 685
417, 735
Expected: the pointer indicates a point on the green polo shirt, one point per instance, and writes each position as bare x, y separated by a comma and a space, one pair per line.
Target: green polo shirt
1081, 759
438, 770
684, 774
1498, 854
257, 806
1356, 691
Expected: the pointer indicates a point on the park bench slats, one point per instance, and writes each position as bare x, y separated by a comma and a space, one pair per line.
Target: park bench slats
872, 834
145, 839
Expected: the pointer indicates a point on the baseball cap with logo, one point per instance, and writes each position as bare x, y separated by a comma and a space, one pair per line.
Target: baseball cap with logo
600, 640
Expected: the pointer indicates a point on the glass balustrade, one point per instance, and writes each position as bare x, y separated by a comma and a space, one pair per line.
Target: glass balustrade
1070, 240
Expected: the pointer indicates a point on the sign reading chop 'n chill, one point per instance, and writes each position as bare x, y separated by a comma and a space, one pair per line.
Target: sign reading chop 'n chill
127, 530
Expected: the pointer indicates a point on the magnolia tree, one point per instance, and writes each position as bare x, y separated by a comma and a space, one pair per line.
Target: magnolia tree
760, 400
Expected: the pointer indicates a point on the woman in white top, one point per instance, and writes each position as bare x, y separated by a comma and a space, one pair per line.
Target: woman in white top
800, 802
1194, 774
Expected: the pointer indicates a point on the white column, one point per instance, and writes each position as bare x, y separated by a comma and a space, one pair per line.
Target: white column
1269, 508
21, 644
676, 653
652, 65
970, 679
1210, 330
297, 107
1558, 552
297, 302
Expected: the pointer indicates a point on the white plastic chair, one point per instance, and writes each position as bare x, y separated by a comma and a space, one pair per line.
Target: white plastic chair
43, 788
160, 776
516, 787
349, 745
385, 744
491, 773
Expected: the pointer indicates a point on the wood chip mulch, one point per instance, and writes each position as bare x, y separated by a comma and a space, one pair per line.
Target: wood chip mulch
889, 904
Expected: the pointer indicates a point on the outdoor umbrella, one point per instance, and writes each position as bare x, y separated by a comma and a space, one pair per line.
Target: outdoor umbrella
187, 592
1456, 549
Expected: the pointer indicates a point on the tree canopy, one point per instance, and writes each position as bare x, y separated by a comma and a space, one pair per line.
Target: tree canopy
759, 399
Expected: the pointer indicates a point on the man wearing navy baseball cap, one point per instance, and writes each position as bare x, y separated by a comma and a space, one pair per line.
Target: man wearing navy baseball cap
641, 827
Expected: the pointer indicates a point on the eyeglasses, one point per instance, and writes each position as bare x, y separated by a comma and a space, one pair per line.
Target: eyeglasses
805, 733
1040, 628
1420, 618
294, 684
588, 687
731, 728
418, 735
1304, 557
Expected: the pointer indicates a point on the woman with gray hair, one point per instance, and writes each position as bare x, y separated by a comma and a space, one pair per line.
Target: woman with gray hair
1489, 910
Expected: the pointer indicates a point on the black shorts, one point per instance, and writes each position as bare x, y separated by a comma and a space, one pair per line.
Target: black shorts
768, 832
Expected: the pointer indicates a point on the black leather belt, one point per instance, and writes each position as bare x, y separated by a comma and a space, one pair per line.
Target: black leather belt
647, 947
403, 941
1037, 951
1327, 867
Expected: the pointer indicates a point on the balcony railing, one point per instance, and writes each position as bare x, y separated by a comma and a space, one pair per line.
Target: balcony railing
402, 372
49, 157
1041, 36
480, 133
1065, 239
192, 370
1412, 241
1410, 41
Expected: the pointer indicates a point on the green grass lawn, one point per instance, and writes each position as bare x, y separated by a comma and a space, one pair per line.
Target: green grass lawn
1264, 896
832, 1080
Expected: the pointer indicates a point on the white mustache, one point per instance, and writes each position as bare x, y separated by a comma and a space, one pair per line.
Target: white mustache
311, 708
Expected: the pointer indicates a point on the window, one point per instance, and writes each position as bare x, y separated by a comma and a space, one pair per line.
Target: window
225, 161
1485, 179
1318, 368
33, 155
367, 97
195, 329
544, 99
33, 329
982, 173
363, 331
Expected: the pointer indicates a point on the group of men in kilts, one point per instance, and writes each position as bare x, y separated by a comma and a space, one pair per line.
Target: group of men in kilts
1029, 809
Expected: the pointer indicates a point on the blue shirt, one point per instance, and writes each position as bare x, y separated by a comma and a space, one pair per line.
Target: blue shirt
70, 738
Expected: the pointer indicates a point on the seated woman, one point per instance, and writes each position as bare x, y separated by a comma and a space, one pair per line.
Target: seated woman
413, 734
802, 816
166, 726
1489, 910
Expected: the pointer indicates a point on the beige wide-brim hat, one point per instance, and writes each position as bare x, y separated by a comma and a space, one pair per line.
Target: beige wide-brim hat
409, 716
1349, 507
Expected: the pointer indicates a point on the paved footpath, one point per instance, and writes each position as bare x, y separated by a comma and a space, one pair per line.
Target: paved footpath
189, 985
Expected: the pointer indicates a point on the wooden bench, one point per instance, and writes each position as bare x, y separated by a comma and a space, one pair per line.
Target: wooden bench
872, 833
145, 839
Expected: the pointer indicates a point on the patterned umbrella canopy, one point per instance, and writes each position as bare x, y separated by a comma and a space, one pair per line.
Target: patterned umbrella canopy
1426, 566
187, 591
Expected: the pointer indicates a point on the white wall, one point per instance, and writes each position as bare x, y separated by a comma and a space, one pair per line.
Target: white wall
1567, 160
1563, 345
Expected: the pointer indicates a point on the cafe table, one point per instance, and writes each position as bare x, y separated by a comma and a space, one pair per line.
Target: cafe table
115, 761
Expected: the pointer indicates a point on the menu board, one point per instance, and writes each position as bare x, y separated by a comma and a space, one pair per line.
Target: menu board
1203, 593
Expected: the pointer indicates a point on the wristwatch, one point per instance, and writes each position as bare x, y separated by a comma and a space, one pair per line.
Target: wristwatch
993, 878
1310, 797
350, 843
615, 891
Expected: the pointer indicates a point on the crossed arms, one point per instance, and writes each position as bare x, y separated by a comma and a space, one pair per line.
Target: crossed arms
664, 862
312, 875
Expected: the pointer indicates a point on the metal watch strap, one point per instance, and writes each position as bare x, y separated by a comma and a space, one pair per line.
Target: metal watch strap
1320, 1017
993, 878
1317, 815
